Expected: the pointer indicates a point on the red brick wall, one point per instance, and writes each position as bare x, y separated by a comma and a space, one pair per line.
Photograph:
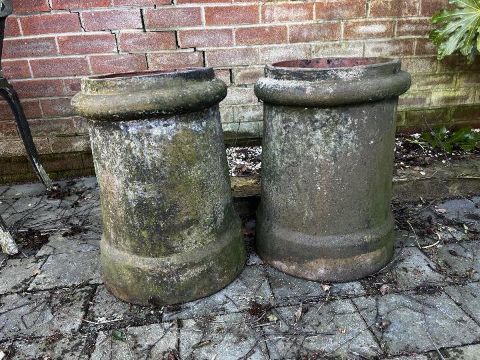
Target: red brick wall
51, 44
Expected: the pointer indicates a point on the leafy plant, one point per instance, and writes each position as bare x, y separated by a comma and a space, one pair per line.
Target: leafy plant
464, 139
459, 29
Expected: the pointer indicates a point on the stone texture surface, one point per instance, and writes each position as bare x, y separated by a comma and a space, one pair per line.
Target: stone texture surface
228, 336
64, 270
155, 341
417, 323
42, 313
424, 303
18, 273
332, 329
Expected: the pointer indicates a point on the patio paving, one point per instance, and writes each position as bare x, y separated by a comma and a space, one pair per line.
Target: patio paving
53, 305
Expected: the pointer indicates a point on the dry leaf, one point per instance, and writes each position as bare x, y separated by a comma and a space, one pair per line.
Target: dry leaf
298, 314
272, 318
326, 287
35, 272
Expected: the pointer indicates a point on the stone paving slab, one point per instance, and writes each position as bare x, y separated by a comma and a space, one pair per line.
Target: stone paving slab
471, 352
264, 314
66, 270
291, 290
326, 329
468, 298
150, 342
461, 260
406, 323
42, 313
410, 269
78, 243
53, 347
251, 286
226, 337
465, 212
17, 274
106, 309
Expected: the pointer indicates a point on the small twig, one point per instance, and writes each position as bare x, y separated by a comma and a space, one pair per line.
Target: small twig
101, 322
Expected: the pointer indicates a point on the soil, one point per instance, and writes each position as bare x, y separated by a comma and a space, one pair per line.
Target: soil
31, 240
247, 161
408, 153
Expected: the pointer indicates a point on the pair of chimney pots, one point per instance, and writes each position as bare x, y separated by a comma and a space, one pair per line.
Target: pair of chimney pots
170, 231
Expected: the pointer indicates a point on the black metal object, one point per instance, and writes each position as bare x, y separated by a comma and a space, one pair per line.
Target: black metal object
10, 95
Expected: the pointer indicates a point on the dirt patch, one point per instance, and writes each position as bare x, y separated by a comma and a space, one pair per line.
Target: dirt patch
31, 241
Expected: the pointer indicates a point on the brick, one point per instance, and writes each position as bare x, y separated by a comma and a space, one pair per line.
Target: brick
287, 12
432, 81
172, 17
19, 47
16, 69
12, 27
57, 67
457, 63
205, 38
240, 95
28, 6
347, 49
314, 32
426, 118
469, 79
224, 75
231, 57
103, 64
248, 75
74, 143
414, 99
452, 97
141, 2
111, 19
31, 108
58, 107
339, 9
177, 60
231, 15
417, 65
386, 8
275, 53
79, 4
16, 147
54, 126
261, 35
201, 1
414, 27
37, 88
367, 29
425, 47
145, 42
466, 113
71, 86
430, 7
50, 23
87, 44
389, 47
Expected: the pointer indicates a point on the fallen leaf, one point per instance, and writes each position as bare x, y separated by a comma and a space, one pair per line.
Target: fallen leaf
34, 273
298, 314
385, 288
272, 318
118, 335
326, 287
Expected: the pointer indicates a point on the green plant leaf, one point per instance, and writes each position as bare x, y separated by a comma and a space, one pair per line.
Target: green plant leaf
459, 29
463, 139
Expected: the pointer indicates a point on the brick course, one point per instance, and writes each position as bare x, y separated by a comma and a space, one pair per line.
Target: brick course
50, 45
